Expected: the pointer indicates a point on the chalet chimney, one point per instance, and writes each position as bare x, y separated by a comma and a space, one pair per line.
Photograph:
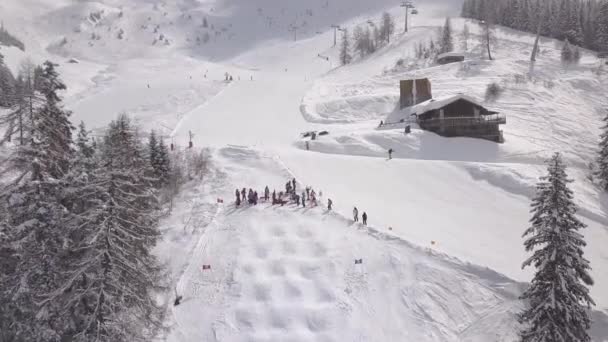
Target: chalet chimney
414, 92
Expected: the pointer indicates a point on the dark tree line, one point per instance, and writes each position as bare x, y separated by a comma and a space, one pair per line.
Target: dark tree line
78, 221
581, 22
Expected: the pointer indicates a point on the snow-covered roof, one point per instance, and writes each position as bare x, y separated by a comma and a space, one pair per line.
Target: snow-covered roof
450, 54
434, 104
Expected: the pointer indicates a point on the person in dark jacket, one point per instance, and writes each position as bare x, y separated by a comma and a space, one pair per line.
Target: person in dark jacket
303, 200
238, 197
274, 197
255, 198
390, 153
330, 203
288, 187
356, 214
364, 218
266, 194
243, 194
293, 185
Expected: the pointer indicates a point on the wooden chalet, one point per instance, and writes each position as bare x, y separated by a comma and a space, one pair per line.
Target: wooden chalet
452, 116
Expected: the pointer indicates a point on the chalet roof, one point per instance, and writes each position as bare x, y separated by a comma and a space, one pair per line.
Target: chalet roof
434, 104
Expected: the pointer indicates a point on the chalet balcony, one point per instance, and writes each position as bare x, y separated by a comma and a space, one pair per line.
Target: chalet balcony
490, 120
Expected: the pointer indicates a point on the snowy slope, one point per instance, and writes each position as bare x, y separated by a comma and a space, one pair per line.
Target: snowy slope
288, 274
281, 274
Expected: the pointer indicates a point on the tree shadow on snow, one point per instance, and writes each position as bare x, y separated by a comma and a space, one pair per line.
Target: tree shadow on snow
599, 328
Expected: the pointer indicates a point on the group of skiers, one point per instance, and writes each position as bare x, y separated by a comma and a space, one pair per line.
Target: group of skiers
282, 197
356, 216
252, 196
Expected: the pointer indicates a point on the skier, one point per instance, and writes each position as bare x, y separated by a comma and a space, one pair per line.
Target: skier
243, 194
266, 194
390, 154
307, 192
364, 217
293, 182
303, 200
297, 200
255, 198
274, 197
238, 197
356, 214
288, 187
381, 124
330, 203
250, 196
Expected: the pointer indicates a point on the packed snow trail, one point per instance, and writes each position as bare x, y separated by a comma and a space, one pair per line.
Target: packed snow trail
248, 113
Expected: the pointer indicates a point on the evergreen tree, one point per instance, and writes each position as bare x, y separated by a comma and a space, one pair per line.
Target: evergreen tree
567, 52
361, 43
387, 27
345, 56
153, 149
557, 299
164, 163
33, 235
602, 159
371, 37
602, 28
109, 285
7, 85
85, 147
446, 44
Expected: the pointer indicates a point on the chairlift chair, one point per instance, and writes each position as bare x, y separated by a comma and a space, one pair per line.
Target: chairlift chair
414, 11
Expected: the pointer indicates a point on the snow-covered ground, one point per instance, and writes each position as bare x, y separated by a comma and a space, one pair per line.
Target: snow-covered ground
448, 269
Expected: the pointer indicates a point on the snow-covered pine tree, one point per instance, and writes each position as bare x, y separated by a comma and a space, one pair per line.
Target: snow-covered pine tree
83, 143
7, 85
558, 298
33, 233
602, 27
446, 44
345, 56
370, 39
18, 121
387, 27
573, 31
602, 159
360, 45
164, 163
108, 288
153, 150
567, 52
